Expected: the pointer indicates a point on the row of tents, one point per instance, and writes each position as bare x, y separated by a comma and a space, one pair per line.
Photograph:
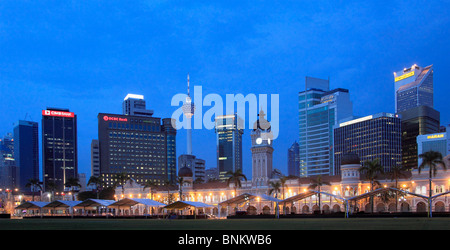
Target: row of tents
146, 206
123, 207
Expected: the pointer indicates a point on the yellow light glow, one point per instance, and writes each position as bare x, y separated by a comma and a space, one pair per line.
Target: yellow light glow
402, 77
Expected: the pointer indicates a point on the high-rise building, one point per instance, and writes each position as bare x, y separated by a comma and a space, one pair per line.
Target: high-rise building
59, 147
8, 169
416, 121
293, 160
413, 88
212, 174
95, 158
26, 152
229, 130
439, 142
319, 111
138, 145
372, 137
135, 105
196, 165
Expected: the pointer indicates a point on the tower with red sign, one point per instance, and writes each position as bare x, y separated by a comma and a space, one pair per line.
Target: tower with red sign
59, 147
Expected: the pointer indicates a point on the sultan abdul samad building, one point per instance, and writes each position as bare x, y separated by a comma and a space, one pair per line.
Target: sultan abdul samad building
295, 198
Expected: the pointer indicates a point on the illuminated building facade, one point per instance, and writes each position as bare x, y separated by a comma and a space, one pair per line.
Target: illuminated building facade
433, 142
319, 111
413, 88
135, 105
372, 137
142, 147
8, 167
229, 130
347, 184
59, 147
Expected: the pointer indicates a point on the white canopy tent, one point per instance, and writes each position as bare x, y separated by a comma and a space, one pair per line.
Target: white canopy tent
181, 205
35, 207
246, 197
143, 206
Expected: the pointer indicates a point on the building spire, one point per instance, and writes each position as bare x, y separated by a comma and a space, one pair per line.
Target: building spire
188, 84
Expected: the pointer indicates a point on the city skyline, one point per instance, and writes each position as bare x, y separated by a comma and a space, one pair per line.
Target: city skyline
92, 73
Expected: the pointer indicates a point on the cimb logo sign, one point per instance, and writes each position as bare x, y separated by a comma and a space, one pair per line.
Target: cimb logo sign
215, 105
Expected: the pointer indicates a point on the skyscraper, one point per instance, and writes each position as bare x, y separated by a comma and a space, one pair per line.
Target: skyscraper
142, 146
372, 137
433, 142
8, 169
413, 88
135, 105
293, 160
416, 121
229, 130
59, 147
319, 111
26, 152
95, 158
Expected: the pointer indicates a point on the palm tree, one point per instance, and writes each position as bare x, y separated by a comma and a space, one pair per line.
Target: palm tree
34, 184
98, 182
397, 172
283, 185
370, 170
235, 178
150, 184
181, 181
275, 188
433, 160
318, 183
121, 180
51, 186
72, 182
167, 184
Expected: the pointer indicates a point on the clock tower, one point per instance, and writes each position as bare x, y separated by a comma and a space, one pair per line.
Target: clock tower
262, 151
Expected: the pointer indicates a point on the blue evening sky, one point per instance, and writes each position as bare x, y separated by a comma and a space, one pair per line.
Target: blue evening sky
87, 55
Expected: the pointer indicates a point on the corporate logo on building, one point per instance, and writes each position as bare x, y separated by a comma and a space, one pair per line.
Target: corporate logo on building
435, 136
116, 119
58, 113
402, 77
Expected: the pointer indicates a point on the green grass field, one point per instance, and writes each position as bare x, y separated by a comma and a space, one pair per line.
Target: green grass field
234, 224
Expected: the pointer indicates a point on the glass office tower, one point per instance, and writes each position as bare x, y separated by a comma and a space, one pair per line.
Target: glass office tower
229, 130
371, 137
433, 142
417, 121
8, 168
26, 152
413, 88
319, 111
59, 147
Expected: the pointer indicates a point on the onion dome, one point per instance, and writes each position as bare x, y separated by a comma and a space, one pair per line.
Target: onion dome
185, 172
350, 158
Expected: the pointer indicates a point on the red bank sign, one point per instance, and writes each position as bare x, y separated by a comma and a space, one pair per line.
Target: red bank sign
117, 119
57, 113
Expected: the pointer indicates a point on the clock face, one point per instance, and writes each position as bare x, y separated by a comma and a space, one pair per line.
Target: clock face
258, 141
268, 140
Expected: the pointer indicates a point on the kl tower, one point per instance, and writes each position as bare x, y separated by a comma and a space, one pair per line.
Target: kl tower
188, 111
